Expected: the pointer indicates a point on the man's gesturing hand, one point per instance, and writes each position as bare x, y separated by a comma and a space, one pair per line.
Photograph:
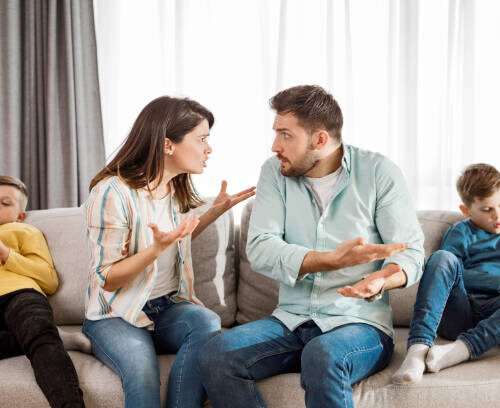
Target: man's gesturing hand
355, 252
372, 284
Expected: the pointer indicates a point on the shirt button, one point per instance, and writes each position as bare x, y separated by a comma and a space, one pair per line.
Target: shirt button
314, 314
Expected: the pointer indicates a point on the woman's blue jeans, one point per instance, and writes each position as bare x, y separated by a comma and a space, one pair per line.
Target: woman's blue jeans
443, 307
130, 351
329, 363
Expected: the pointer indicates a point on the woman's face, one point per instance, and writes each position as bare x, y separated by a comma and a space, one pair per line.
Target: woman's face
190, 155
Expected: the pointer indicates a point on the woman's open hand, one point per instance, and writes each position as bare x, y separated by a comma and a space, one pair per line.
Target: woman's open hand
162, 240
224, 201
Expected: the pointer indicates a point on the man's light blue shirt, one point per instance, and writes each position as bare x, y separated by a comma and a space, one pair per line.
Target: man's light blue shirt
370, 200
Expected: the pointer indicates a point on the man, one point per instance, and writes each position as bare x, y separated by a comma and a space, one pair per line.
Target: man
333, 321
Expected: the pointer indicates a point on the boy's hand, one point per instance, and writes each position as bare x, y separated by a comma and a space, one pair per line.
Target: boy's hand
4, 252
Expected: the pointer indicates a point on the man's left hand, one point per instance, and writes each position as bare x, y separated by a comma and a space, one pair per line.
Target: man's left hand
371, 285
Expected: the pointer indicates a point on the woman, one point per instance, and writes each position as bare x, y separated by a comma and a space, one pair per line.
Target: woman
140, 299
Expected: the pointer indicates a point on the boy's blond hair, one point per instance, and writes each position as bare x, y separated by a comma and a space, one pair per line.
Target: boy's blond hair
19, 185
477, 181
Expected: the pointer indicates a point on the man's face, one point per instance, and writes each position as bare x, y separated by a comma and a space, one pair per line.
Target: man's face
10, 208
293, 146
485, 213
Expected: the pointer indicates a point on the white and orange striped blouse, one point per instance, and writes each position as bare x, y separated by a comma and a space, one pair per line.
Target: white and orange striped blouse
117, 218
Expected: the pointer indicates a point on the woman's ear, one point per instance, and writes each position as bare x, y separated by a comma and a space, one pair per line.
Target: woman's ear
169, 147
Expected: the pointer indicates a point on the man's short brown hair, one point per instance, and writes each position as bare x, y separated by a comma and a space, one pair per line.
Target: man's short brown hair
314, 108
19, 185
478, 181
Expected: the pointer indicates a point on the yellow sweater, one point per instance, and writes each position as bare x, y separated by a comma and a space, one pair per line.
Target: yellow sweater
29, 265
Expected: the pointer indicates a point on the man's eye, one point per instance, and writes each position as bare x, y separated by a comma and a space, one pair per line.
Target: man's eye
203, 139
286, 135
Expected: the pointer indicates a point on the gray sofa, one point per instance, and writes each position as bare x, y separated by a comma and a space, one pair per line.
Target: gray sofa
227, 285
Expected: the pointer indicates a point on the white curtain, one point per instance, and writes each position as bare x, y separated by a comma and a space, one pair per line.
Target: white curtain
417, 80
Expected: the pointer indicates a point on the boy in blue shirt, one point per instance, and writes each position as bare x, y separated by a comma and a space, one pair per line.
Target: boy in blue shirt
458, 296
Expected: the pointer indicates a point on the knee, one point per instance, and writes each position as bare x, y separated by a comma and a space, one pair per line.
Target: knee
319, 364
211, 355
204, 320
442, 257
141, 371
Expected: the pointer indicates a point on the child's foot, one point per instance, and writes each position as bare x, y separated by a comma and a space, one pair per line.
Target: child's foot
75, 341
448, 355
413, 366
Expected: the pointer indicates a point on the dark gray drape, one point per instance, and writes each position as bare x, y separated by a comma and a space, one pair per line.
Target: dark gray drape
51, 133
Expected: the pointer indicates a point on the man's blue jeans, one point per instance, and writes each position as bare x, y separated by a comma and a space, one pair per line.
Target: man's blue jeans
329, 363
443, 306
130, 351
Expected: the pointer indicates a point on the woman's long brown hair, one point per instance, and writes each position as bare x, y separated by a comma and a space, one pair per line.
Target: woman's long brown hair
141, 159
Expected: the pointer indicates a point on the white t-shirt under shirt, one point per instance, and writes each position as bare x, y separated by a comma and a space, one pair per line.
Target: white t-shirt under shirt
167, 279
322, 188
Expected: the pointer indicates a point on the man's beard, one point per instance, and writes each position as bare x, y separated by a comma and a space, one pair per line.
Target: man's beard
303, 166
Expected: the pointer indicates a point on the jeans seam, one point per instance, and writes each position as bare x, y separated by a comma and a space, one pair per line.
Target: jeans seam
117, 367
274, 352
178, 385
343, 365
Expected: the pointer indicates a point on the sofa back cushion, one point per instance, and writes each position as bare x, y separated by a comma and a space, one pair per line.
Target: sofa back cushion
258, 295
64, 231
213, 263
214, 266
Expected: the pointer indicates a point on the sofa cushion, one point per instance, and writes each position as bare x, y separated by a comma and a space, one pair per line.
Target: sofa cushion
214, 266
257, 294
64, 231
474, 383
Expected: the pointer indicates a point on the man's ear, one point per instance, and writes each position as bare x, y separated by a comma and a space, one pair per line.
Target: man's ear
464, 210
169, 147
320, 139
21, 216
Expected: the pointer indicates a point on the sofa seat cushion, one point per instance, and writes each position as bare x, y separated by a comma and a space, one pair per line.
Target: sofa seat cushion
466, 385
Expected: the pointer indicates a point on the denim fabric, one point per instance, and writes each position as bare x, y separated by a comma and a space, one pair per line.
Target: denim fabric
130, 351
444, 307
369, 200
329, 362
27, 327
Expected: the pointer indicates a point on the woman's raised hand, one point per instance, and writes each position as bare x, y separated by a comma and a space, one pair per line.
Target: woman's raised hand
224, 201
162, 240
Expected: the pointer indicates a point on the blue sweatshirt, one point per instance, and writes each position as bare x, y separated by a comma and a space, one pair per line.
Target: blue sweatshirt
479, 252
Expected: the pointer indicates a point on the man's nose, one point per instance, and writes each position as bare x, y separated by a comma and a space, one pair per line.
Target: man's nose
276, 147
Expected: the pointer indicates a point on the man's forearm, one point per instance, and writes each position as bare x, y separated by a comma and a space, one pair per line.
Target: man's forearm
394, 280
315, 261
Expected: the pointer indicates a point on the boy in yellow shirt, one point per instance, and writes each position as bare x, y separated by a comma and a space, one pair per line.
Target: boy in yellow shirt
27, 325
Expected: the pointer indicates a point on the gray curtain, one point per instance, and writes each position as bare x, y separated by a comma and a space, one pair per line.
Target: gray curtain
51, 133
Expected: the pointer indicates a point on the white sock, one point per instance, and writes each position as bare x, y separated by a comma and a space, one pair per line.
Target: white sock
75, 341
413, 366
447, 355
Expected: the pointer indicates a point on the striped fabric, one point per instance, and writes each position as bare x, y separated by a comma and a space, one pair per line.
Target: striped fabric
117, 227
